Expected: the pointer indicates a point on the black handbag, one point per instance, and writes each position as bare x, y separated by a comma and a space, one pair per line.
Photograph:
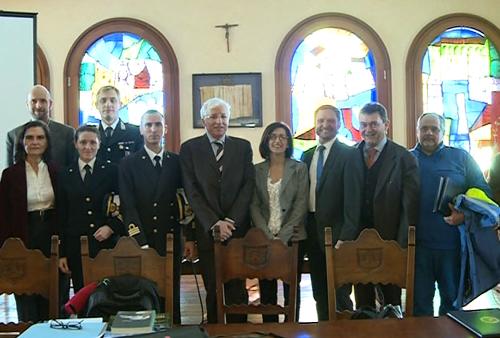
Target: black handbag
123, 293
388, 311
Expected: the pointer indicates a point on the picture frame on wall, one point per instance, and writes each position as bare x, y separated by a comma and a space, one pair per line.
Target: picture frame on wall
243, 91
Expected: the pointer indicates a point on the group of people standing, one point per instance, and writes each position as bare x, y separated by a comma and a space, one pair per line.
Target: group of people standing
58, 180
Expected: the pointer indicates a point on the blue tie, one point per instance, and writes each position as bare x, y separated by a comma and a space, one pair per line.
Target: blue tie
319, 165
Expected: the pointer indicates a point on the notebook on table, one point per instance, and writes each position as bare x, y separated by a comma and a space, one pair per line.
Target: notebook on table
484, 323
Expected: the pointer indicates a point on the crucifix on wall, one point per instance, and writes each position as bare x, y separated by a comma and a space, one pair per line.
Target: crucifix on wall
227, 27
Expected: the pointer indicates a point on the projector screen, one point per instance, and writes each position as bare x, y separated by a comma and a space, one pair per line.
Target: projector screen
17, 71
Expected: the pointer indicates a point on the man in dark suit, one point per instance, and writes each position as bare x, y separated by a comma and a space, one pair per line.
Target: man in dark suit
327, 165
83, 188
40, 104
383, 183
218, 177
119, 139
149, 181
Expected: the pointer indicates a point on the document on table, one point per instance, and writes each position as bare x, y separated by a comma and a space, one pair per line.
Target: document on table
91, 328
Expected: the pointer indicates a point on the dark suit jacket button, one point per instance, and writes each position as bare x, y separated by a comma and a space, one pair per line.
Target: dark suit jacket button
89, 212
171, 217
87, 199
155, 218
109, 149
155, 204
155, 231
92, 225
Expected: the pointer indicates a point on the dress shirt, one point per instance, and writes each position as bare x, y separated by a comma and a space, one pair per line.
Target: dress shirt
152, 155
312, 171
81, 167
213, 140
380, 146
40, 193
113, 126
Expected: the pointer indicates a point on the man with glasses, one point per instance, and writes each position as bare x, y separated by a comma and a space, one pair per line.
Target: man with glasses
218, 178
383, 193
437, 256
327, 165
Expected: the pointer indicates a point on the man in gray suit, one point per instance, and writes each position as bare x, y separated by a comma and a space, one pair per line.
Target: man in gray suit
40, 106
327, 166
383, 182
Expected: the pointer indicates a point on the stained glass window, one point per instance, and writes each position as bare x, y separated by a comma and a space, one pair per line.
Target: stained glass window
461, 81
131, 64
330, 66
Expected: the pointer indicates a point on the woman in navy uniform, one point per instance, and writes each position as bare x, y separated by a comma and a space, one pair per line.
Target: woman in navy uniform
83, 189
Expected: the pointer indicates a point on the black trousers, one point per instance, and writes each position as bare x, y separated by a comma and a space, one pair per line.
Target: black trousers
234, 290
35, 308
365, 295
317, 266
269, 289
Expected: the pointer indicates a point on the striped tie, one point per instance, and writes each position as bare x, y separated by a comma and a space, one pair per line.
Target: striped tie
219, 154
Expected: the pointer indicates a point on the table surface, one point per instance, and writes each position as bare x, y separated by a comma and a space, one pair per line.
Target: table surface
414, 327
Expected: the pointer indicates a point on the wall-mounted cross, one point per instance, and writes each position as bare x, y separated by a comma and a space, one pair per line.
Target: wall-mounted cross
227, 26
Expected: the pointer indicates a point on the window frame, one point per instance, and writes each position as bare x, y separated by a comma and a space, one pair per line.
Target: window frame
165, 51
330, 20
417, 51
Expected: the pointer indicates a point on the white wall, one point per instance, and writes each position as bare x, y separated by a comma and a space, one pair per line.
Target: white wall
200, 48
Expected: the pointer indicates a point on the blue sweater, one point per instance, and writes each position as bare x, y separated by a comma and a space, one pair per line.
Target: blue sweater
432, 231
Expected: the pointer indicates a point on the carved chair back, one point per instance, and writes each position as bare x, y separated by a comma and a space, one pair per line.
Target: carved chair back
370, 259
255, 256
25, 271
128, 258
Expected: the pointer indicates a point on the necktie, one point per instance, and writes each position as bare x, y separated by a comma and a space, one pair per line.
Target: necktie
108, 132
157, 163
88, 173
219, 154
370, 158
320, 164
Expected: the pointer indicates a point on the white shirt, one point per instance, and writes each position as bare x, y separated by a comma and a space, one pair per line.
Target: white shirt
273, 190
152, 155
82, 164
40, 193
113, 126
312, 172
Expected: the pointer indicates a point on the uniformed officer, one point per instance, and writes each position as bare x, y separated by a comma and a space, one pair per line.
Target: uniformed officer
119, 139
83, 188
149, 183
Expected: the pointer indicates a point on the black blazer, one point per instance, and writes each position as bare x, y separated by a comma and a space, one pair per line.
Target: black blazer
126, 139
14, 204
395, 201
331, 192
150, 202
214, 197
82, 208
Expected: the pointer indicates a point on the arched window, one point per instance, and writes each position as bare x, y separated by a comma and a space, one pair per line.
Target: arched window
132, 56
454, 70
329, 58
42, 68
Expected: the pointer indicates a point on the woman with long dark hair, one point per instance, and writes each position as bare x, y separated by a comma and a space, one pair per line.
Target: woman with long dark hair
27, 205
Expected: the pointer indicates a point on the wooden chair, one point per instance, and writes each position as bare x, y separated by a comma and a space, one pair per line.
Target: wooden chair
128, 258
370, 259
25, 271
255, 256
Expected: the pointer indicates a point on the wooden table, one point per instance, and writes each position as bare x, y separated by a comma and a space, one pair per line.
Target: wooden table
415, 327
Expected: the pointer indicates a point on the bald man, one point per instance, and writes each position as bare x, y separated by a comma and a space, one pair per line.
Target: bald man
39, 103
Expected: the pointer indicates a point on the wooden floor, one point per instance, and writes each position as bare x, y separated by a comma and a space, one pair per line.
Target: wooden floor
191, 310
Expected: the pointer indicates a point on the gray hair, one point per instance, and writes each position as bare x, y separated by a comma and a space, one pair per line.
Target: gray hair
151, 112
440, 118
211, 104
